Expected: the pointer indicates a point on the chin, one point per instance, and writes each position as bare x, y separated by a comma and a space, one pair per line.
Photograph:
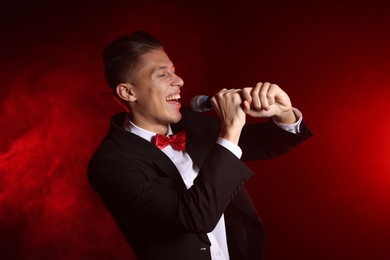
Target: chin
177, 118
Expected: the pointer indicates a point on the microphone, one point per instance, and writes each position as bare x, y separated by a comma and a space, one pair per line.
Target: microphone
201, 103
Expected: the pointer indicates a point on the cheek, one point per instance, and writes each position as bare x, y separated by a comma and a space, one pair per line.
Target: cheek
155, 102
156, 95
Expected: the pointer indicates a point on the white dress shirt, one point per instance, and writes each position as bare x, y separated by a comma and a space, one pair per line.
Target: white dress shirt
189, 170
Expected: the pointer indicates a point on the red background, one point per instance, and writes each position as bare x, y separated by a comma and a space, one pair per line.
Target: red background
328, 199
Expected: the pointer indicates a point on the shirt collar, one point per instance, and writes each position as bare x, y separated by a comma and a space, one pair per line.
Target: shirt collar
143, 133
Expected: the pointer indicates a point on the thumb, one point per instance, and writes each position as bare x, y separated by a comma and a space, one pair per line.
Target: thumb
246, 107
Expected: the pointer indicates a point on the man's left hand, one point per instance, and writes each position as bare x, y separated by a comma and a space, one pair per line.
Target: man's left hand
268, 100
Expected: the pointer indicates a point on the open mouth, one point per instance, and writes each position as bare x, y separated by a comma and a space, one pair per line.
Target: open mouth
173, 98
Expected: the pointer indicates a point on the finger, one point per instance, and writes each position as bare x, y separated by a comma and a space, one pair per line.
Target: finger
273, 89
246, 107
231, 90
222, 90
235, 96
230, 95
255, 94
263, 95
220, 94
246, 94
234, 90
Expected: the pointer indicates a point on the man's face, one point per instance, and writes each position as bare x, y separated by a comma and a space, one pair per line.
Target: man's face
157, 93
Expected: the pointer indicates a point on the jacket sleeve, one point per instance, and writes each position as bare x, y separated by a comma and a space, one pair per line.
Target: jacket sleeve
267, 140
258, 141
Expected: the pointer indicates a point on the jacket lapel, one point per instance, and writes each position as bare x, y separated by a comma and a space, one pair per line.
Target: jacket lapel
137, 145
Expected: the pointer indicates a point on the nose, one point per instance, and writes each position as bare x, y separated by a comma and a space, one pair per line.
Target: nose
177, 81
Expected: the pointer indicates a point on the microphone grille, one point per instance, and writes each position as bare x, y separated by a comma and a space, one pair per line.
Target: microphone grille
201, 103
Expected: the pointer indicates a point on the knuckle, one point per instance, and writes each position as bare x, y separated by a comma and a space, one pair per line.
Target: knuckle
246, 90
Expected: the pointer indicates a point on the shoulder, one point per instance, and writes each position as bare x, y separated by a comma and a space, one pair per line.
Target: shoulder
120, 147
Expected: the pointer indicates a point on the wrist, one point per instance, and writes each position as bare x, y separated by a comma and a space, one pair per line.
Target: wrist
231, 133
286, 117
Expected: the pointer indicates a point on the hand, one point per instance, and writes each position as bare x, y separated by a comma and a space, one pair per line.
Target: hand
227, 104
268, 100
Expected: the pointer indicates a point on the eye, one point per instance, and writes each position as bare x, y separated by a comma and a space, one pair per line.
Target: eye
162, 75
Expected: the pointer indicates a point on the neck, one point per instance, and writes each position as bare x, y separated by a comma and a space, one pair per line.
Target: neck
155, 128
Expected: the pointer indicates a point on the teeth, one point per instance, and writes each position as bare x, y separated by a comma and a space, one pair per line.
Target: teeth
174, 97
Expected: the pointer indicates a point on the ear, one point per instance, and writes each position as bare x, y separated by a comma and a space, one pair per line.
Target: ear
125, 92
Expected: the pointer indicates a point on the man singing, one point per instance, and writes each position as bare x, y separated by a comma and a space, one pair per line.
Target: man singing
173, 179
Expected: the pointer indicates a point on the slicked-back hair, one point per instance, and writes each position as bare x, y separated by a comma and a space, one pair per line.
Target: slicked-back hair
122, 60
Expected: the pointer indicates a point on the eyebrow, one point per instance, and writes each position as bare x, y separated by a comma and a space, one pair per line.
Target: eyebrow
162, 68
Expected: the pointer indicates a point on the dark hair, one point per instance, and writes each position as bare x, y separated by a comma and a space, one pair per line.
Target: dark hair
121, 58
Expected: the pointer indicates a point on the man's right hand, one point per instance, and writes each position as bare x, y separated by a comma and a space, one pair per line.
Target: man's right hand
227, 103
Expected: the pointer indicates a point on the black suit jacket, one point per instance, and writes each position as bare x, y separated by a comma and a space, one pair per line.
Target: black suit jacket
159, 217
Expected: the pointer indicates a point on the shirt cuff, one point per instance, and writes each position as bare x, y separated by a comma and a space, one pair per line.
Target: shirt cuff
235, 149
292, 128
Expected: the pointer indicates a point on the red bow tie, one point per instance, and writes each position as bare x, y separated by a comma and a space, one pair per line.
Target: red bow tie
177, 141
